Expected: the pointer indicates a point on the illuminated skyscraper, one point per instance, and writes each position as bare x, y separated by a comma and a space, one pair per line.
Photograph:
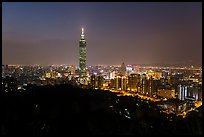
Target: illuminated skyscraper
82, 54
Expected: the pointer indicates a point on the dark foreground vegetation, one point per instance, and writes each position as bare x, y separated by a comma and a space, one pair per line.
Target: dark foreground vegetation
69, 110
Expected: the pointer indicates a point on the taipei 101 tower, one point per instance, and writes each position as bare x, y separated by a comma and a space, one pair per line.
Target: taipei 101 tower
82, 54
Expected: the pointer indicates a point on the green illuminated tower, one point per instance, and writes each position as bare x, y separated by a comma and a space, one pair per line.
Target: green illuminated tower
82, 54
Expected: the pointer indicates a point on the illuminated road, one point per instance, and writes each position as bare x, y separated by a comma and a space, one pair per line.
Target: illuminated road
126, 93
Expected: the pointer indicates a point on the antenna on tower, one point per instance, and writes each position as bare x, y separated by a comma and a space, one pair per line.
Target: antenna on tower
82, 31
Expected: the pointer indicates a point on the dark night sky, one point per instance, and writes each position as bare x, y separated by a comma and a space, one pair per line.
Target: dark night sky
49, 33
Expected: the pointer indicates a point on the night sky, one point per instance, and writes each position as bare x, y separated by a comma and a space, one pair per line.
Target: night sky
134, 33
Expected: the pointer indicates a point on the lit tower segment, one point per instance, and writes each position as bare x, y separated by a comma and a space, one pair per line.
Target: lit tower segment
82, 54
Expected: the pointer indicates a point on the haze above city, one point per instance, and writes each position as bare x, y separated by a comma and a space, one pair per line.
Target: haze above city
134, 33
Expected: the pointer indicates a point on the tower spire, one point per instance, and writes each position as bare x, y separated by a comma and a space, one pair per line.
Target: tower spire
82, 33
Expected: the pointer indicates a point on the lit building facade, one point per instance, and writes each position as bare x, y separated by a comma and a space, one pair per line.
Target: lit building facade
120, 83
82, 54
183, 90
144, 84
133, 82
97, 81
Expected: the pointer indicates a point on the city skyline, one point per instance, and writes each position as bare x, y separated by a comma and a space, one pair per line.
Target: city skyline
134, 33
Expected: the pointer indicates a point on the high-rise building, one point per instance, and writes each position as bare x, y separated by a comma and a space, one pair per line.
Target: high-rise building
144, 84
112, 75
120, 82
82, 54
183, 91
154, 86
123, 69
133, 81
97, 81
